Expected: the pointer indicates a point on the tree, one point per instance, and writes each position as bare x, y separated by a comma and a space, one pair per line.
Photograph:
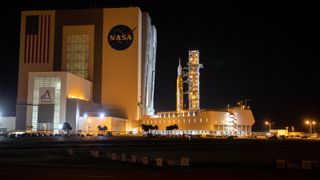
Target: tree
172, 127
99, 128
145, 127
103, 129
66, 127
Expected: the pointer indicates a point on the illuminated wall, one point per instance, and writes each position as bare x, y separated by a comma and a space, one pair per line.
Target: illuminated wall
78, 50
78, 89
36, 54
83, 28
62, 84
90, 124
121, 64
9, 123
217, 122
148, 64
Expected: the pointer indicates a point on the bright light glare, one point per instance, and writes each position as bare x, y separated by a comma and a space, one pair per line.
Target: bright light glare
135, 130
101, 115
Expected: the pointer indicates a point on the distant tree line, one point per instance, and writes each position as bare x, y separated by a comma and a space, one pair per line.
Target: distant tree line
146, 127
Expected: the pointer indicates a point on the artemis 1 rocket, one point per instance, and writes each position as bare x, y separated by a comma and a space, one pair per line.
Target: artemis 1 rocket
179, 89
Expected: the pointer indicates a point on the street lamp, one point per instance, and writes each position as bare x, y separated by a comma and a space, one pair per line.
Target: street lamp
89, 121
310, 123
267, 123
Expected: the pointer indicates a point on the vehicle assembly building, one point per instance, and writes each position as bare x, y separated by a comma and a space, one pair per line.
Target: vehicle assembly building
86, 67
92, 67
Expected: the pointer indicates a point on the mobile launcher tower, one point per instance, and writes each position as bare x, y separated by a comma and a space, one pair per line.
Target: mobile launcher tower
193, 80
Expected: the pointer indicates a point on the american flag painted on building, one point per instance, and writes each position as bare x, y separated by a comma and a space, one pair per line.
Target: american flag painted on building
37, 39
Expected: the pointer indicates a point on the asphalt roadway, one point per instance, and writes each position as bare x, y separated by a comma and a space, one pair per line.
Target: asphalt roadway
46, 158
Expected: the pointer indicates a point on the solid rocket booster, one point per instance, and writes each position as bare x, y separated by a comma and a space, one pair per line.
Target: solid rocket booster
179, 89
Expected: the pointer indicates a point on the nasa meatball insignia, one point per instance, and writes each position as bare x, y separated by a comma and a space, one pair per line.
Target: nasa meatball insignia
120, 37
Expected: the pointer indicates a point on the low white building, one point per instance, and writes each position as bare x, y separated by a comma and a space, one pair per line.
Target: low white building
58, 97
7, 124
231, 121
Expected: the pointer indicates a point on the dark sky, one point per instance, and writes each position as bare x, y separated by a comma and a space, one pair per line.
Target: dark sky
266, 51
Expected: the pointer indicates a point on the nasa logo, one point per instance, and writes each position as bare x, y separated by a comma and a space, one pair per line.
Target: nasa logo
120, 37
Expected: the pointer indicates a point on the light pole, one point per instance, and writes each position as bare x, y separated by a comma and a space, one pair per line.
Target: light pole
267, 123
89, 121
310, 123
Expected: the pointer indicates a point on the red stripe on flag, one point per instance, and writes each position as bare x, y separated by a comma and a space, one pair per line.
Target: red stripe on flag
26, 50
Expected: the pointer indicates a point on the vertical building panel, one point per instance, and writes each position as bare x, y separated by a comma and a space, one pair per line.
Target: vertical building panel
81, 18
30, 32
121, 65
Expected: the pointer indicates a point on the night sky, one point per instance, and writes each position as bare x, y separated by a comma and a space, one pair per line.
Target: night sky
264, 51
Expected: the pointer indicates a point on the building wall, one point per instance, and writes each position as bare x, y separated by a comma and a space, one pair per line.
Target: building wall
87, 21
38, 80
77, 110
36, 54
72, 113
121, 69
90, 124
64, 84
216, 121
148, 63
244, 116
9, 123
78, 50
78, 88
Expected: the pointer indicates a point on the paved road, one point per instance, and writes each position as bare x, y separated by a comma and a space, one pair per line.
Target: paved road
54, 173
239, 158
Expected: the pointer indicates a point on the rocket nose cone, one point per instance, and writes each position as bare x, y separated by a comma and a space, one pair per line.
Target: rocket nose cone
179, 68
